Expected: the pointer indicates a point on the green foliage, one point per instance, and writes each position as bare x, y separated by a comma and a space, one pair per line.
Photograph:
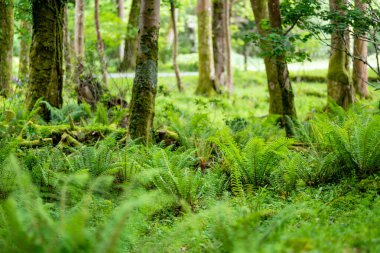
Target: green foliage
250, 167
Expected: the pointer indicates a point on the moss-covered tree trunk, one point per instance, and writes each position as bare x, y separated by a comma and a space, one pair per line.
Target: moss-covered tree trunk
360, 72
339, 88
6, 45
79, 38
46, 73
100, 44
67, 44
173, 14
206, 82
287, 95
145, 82
260, 11
131, 38
25, 38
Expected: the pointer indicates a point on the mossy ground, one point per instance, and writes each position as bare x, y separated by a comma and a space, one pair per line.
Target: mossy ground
116, 196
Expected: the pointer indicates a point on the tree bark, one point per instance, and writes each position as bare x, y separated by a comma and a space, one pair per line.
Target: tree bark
120, 12
219, 42
6, 45
131, 38
100, 44
67, 44
23, 69
339, 88
287, 96
46, 73
261, 13
206, 82
79, 37
173, 12
145, 82
360, 72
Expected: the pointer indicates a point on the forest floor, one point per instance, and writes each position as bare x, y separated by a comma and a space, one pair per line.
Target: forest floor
221, 177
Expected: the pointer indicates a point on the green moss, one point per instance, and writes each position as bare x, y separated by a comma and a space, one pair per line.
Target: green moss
46, 68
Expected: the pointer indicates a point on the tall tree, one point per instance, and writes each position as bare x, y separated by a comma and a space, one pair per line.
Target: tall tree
79, 36
145, 82
227, 37
222, 43
206, 81
25, 37
100, 44
219, 42
173, 14
120, 12
6, 45
67, 43
46, 72
360, 73
131, 38
339, 87
281, 67
261, 13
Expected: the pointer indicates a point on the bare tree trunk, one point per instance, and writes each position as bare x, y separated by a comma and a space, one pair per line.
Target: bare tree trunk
120, 11
67, 44
100, 43
287, 96
6, 46
46, 72
260, 10
131, 38
145, 82
227, 37
173, 11
339, 88
79, 37
360, 72
219, 41
23, 69
206, 82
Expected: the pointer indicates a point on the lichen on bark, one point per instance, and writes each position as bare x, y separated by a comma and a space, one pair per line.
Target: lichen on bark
46, 72
6, 45
261, 13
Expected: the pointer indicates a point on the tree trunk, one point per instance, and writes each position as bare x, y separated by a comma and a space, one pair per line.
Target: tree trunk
6, 46
287, 96
145, 82
175, 45
206, 82
79, 37
131, 38
120, 12
219, 42
360, 73
67, 44
339, 88
46, 73
100, 44
227, 37
23, 69
260, 10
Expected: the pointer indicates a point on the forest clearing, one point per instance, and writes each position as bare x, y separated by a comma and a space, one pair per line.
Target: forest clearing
189, 126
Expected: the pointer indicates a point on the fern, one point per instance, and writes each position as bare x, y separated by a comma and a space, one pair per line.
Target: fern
251, 166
